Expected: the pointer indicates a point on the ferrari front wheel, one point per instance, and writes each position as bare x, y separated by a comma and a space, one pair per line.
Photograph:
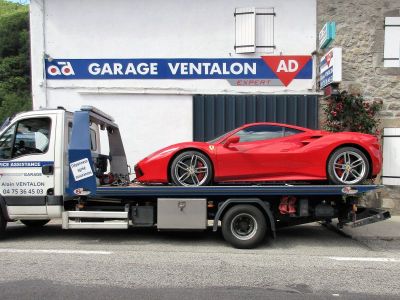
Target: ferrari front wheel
191, 168
348, 165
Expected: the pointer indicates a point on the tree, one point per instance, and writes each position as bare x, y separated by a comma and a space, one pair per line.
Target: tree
15, 79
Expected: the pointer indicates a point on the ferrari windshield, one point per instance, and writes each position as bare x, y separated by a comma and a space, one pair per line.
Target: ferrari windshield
220, 137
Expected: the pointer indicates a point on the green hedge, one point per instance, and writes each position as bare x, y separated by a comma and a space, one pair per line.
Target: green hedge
15, 74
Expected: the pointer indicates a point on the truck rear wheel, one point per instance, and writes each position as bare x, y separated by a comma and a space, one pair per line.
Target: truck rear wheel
3, 225
244, 226
34, 223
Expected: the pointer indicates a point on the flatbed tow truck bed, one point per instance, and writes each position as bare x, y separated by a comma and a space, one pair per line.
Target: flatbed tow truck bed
232, 191
252, 194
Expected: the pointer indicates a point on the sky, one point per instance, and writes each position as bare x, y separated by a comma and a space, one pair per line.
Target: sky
19, 1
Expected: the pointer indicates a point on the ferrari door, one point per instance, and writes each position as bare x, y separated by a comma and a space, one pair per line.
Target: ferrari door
263, 153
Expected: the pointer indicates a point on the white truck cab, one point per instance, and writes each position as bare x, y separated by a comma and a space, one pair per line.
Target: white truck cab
32, 148
34, 163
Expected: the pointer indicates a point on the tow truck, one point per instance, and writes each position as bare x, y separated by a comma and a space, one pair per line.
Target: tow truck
52, 167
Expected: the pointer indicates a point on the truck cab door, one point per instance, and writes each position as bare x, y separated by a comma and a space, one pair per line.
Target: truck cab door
27, 152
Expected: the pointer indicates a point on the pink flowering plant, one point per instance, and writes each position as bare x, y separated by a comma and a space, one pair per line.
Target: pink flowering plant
348, 112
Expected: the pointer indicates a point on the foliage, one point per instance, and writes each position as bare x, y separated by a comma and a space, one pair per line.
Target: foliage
348, 112
15, 81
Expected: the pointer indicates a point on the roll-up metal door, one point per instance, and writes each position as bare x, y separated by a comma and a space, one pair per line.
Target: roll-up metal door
214, 115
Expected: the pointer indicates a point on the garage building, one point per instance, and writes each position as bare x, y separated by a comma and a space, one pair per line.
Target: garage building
172, 71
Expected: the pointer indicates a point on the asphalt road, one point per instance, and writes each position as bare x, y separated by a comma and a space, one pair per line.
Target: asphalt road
306, 261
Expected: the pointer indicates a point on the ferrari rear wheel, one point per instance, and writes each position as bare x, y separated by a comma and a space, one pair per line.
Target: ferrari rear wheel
348, 165
191, 168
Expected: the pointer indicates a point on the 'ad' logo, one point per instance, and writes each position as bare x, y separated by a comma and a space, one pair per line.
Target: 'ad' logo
62, 68
286, 68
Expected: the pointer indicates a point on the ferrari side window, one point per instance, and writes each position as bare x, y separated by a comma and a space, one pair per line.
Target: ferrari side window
260, 133
291, 131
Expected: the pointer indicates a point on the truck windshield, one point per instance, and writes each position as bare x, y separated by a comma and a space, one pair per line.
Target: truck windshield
5, 123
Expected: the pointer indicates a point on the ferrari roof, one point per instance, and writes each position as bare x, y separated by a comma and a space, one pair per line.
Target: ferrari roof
276, 124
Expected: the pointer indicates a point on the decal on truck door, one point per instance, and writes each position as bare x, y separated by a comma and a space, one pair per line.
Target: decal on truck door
30, 182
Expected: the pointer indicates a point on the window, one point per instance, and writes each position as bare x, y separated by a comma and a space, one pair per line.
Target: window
254, 30
392, 42
6, 142
220, 137
30, 136
93, 137
93, 140
291, 131
259, 133
69, 131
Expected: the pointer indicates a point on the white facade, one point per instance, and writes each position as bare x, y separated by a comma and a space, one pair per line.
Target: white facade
153, 113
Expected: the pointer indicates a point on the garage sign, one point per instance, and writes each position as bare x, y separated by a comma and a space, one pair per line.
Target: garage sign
266, 70
331, 67
327, 35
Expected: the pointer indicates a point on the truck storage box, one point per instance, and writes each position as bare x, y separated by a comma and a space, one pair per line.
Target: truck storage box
178, 213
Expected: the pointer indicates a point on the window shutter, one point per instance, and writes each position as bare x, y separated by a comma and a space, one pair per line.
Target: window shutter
265, 30
392, 42
245, 35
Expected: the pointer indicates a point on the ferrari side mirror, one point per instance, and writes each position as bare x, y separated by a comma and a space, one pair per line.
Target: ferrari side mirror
231, 140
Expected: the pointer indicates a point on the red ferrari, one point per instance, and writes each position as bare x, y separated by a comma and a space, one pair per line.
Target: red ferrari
265, 152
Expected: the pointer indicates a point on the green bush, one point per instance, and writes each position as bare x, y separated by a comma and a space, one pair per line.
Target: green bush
348, 112
15, 79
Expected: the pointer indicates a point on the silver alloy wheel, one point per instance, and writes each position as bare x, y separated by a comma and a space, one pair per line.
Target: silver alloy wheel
191, 170
349, 167
244, 226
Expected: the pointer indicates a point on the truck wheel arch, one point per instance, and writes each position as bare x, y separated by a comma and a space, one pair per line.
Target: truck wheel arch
264, 206
3, 209
3, 217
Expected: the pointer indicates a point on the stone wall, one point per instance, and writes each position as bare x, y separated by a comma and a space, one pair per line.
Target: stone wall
360, 33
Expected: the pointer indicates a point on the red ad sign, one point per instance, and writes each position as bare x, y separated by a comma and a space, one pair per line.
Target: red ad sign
286, 67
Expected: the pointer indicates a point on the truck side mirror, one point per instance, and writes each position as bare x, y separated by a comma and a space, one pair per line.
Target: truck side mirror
231, 140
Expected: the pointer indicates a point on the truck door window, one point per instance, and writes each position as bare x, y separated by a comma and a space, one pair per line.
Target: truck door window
93, 140
32, 136
6, 143
69, 132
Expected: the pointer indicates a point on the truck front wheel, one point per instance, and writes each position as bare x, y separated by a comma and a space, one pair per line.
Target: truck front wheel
244, 226
34, 223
